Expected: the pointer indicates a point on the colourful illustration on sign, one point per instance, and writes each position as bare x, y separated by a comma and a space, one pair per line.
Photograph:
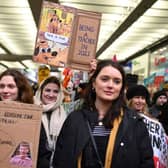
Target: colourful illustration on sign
54, 34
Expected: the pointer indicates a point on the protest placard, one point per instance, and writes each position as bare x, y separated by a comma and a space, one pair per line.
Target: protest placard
66, 36
19, 134
159, 141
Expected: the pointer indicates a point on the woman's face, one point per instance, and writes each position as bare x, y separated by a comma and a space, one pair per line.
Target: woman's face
108, 84
161, 100
50, 93
8, 89
138, 103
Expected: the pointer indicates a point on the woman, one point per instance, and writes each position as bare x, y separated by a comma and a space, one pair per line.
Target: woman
159, 99
15, 87
50, 96
138, 98
104, 133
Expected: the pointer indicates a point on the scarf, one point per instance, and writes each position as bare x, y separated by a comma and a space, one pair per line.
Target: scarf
58, 115
53, 127
111, 141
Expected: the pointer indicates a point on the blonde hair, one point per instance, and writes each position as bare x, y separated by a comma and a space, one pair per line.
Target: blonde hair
144, 110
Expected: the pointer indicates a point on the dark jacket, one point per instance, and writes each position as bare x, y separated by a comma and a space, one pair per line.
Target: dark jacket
44, 154
155, 110
132, 147
163, 117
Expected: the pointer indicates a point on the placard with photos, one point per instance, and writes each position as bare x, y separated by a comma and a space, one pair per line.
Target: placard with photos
19, 134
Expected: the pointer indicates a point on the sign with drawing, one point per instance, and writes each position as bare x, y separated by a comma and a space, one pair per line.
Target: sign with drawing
66, 36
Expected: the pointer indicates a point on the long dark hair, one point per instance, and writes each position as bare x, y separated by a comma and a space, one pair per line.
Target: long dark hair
25, 92
117, 104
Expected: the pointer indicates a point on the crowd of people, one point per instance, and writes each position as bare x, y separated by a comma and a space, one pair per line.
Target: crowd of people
111, 126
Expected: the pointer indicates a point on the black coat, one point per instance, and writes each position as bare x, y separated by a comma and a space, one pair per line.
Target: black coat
132, 147
44, 154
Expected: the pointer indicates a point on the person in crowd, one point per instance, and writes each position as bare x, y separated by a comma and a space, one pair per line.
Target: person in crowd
163, 109
50, 96
22, 157
163, 117
82, 89
80, 94
14, 86
92, 68
138, 100
158, 100
166, 90
104, 132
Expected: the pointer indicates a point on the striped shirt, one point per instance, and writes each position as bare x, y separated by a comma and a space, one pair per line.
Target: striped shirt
101, 136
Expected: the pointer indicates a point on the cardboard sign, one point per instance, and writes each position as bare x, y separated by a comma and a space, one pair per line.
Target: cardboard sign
66, 36
84, 39
19, 134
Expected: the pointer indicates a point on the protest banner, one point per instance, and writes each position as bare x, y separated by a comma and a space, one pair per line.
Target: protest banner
159, 141
67, 37
19, 134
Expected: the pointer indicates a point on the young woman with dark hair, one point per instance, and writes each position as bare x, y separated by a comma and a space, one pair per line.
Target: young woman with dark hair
104, 132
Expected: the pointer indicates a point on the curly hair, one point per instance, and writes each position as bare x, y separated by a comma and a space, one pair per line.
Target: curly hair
25, 91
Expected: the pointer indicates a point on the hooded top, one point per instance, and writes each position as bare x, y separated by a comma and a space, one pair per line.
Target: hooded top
158, 94
53, 125
138, 90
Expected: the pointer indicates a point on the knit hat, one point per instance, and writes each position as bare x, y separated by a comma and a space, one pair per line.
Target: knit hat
157, 94
137, 90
